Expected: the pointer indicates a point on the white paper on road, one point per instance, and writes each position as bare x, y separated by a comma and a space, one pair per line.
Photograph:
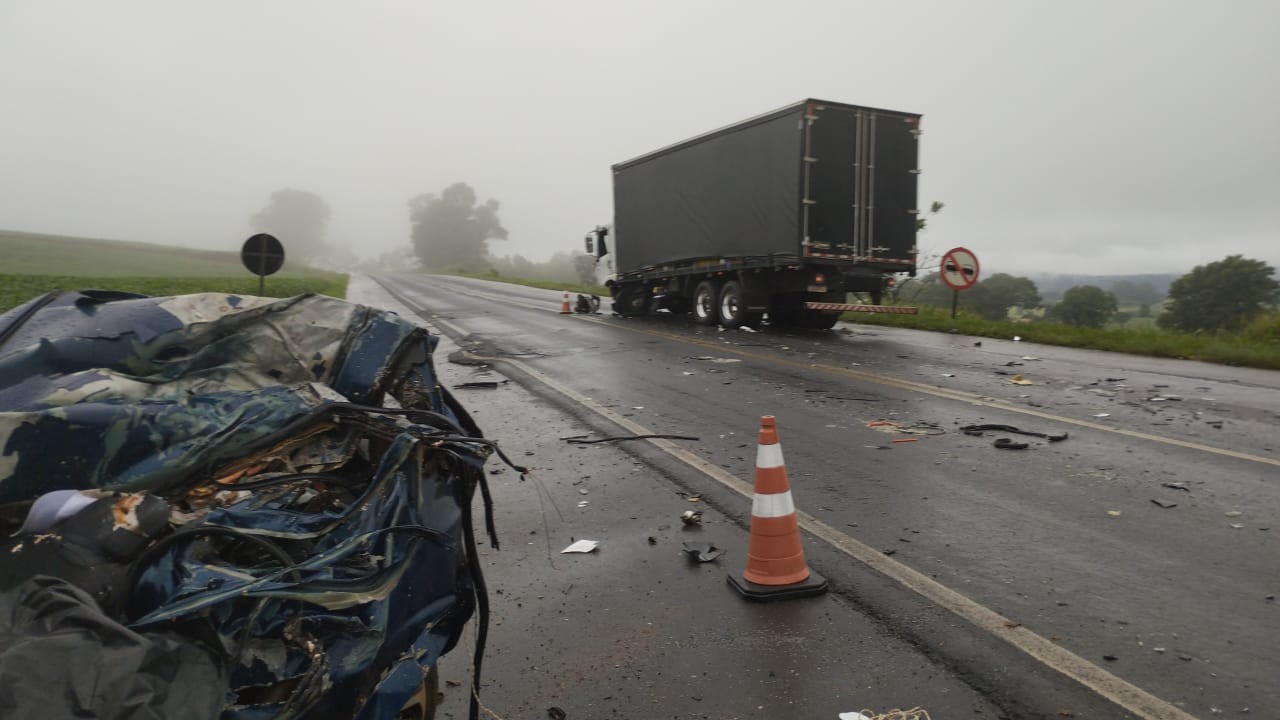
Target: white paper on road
581, 546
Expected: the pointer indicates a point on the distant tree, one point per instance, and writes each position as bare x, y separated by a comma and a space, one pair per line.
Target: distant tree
991, 298
1084, 305
1222, 295
585, 268
1128, 292
299, 219
934, 208
451, 231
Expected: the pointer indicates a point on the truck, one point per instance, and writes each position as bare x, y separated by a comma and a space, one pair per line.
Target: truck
783, 214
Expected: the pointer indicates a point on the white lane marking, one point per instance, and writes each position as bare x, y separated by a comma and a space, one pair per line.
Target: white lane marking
769, 456
772, 505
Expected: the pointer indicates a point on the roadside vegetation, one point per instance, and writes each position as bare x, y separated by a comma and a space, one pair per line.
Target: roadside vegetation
34, 264
1225, 312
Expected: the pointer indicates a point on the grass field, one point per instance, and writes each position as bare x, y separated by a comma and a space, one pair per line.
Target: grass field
31, 265
1263, 351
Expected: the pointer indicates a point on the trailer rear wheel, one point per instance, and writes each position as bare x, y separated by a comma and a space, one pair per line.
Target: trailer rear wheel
706, 301
631, 300
733, 311
819, 319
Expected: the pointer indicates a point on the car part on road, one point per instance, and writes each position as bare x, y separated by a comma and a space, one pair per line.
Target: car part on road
582, 439
1009, 444
978, 430
702, 552
281, 519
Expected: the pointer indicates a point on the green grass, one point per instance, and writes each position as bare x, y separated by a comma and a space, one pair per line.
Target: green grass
1262, 352
34, 264
17, 289
58, 255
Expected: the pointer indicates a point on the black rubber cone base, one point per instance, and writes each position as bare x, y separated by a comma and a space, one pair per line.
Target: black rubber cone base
815, 584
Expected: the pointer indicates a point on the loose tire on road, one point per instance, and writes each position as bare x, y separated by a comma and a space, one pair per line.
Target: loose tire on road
706, 303
733, 311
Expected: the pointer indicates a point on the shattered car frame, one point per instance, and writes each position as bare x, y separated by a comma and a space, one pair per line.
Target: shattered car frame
227, 506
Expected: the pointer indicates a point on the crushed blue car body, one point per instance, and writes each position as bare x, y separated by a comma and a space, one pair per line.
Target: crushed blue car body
219, 506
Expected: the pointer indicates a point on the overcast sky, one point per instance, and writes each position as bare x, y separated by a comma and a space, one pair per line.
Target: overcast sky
1082, 136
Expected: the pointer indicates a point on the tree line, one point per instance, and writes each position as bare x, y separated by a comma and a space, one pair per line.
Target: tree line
1226, 295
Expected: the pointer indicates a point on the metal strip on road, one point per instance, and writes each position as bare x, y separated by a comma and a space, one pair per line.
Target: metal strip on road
1124, 694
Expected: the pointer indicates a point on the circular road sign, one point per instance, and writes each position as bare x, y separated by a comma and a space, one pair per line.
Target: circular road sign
262, 254
959, 269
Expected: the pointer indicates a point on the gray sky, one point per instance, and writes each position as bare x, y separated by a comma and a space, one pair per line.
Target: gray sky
1083, 136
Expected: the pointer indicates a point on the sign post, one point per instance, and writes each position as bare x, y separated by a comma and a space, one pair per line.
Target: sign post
959, 271
263, 255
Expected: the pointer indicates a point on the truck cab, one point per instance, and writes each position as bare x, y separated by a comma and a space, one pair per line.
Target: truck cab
598, 246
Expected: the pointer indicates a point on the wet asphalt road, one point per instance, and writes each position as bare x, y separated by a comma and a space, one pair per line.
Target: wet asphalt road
1144, 542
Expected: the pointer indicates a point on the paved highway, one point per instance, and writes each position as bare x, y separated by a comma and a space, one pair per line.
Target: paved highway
1134, 561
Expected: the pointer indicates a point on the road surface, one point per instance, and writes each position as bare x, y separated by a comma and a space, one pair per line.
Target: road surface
1129, 570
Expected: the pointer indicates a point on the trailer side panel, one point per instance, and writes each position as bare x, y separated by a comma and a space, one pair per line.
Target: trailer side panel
734, 193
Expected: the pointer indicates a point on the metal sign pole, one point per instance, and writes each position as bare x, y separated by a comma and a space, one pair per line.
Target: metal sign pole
955, 299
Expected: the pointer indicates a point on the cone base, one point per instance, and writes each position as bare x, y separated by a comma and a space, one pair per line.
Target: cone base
815, 584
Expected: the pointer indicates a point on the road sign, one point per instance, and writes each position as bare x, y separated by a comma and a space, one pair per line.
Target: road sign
262, 254
959, 269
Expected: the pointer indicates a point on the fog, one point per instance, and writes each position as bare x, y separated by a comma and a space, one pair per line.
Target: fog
1083, 137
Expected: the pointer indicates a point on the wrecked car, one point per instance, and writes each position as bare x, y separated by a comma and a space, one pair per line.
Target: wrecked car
218, 506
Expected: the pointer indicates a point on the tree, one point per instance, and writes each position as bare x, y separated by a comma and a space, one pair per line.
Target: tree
992, 297
1084, 305
452, 231
299, 219
1129, 292
1223, 295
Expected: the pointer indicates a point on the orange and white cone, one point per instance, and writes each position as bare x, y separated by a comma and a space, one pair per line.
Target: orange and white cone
776, 569
564, 305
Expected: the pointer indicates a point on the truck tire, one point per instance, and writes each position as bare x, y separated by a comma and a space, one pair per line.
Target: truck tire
819, 319
733, 311
706, 303
631, 300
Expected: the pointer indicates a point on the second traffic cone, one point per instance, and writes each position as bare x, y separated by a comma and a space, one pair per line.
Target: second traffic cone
776, 569
564, 305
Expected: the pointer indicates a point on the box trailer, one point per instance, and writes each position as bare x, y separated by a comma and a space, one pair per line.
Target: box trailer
784, 213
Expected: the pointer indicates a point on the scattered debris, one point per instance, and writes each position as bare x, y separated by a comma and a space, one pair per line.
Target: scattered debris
556, 713
948, 374
1019, 380
1163, 504
1233, 513
978, 430
702, 552
1115, 380
581, 546
1176, 486
1113, 513
653, 540
1009, 444
1237, 526
1017, 338
582, 439
583, 503
905, 440
485, 384
691, 517
1110, 658
1102, 415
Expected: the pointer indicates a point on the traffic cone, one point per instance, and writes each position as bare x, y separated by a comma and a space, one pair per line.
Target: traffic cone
564, 305
775, 560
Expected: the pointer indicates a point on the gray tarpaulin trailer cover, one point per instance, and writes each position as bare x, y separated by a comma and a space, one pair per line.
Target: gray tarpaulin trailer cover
223, 506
